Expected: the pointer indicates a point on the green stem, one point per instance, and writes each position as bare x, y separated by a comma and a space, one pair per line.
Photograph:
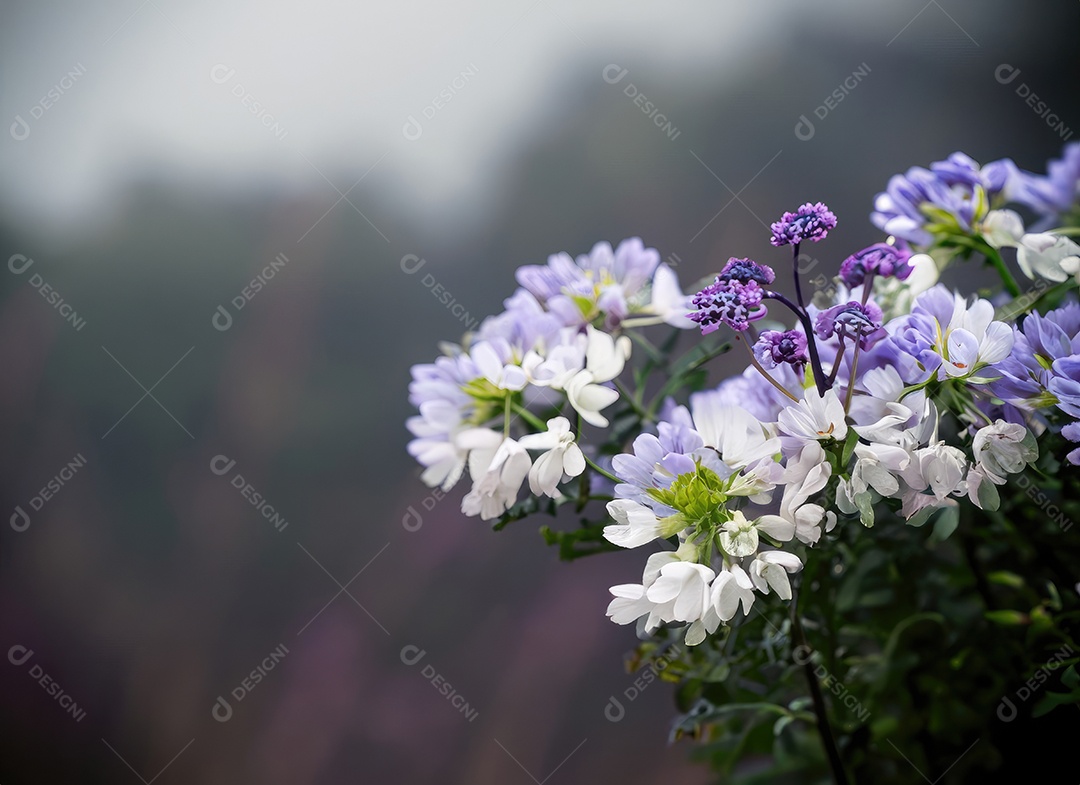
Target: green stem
820, 711
527, 416
635, 404
1011, 286
601, 471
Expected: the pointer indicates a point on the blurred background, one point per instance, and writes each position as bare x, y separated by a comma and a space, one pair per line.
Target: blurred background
230, 228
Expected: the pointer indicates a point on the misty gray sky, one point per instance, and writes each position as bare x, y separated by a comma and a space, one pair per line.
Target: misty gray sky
276, 94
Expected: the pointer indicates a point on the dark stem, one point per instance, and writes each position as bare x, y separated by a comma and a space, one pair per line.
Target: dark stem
867, 287
854, 373
762, 371
837, 362
811, 344
795, 275
824, 728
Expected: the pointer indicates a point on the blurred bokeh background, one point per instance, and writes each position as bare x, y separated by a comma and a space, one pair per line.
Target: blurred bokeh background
219, 564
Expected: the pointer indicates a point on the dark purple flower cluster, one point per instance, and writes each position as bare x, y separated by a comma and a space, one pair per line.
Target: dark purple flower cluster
879, 259
810, 222
775, 348
730, 302
745, 270
851, 320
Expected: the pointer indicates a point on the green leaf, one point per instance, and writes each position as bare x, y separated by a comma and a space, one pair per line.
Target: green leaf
946, 523
780, 724
1007, 617
850, 441
1006, 578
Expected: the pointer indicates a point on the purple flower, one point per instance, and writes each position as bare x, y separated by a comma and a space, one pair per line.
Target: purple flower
744, 270
1072, 433
1041, 343
851, 320
1052, 194
1065, 384
949, 190
774, 348
657, 460
878, 259
733, 303
809, 222
604, 281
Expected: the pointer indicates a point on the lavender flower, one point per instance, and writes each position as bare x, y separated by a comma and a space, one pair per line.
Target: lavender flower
1052, 194
879, 259
851, 320
775, 348
953, 194
733, 303
604, 281
1072, 433
744, 270
1040, 348
809, 222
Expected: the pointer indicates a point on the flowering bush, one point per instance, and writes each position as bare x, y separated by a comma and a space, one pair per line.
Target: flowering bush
887, 397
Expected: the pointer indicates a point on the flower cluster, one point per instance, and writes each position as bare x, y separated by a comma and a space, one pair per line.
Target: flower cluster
893, 396
552, 350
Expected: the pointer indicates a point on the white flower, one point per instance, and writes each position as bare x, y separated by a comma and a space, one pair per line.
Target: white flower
814, 417
805, 518
739, 536
435, 447
1004, 448
1003, 228
562, 458
770, 569
496, 484
981, 489
505, 376
876, 467
684, 587
731, 586
965, 336
667, 300
635, 524
1049, 256
939, 467
631, 602
605, 357
734, 433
